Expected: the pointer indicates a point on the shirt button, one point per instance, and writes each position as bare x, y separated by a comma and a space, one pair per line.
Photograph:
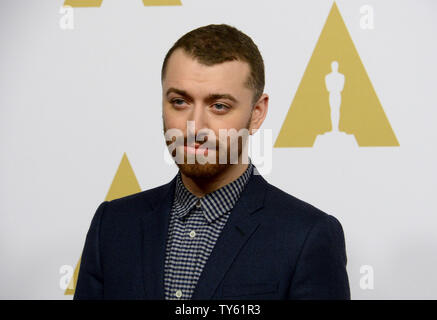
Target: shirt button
178, 294
192, 234
198, 203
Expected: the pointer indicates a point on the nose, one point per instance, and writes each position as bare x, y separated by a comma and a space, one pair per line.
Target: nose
198, 116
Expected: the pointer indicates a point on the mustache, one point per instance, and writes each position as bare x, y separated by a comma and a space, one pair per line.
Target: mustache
207, 142
204, 142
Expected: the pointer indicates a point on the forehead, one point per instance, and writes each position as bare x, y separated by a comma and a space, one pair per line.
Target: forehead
185, 72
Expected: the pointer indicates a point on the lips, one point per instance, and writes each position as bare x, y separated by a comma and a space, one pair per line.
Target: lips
196, 145
196, 149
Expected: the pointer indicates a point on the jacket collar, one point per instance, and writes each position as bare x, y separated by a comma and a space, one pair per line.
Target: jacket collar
214, 204
241, 223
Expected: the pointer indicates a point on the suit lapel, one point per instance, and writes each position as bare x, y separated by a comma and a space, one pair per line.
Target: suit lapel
240, 226
155, 229
237, 230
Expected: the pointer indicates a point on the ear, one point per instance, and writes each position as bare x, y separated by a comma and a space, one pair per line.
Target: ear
259, 113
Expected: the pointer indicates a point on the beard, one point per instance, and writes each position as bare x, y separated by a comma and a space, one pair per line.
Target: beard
207, 171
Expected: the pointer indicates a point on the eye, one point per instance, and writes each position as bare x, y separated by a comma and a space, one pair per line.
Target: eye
177, 102
221, 107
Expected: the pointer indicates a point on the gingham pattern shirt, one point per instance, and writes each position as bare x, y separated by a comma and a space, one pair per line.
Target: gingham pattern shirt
195, 224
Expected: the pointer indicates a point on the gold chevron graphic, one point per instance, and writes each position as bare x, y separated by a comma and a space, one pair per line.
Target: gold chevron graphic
98, 3
124, 183
361, 113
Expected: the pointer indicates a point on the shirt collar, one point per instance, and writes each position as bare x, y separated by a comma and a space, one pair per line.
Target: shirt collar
213, 204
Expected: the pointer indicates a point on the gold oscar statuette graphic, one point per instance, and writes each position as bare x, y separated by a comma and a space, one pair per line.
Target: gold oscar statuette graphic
98, 3
335, 97
124, 183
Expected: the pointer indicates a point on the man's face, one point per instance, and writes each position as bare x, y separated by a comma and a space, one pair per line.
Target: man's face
214, 97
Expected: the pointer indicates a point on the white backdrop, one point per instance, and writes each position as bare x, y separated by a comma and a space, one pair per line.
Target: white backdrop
73, 101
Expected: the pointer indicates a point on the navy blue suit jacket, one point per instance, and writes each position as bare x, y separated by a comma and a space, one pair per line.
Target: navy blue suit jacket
273, 246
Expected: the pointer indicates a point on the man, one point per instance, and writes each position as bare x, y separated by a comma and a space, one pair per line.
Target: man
218, 230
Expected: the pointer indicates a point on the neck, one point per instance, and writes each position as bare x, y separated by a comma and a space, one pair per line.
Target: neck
201, 188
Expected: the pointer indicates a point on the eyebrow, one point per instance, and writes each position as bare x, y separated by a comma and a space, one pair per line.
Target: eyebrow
210, 98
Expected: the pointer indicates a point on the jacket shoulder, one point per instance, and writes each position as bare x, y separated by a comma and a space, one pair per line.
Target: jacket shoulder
289, 209
140, 201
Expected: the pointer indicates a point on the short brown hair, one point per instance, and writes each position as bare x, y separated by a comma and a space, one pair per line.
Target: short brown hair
217, 43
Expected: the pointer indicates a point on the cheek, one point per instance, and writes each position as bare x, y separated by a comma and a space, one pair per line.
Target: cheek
172, 121
232, 121
228, 124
